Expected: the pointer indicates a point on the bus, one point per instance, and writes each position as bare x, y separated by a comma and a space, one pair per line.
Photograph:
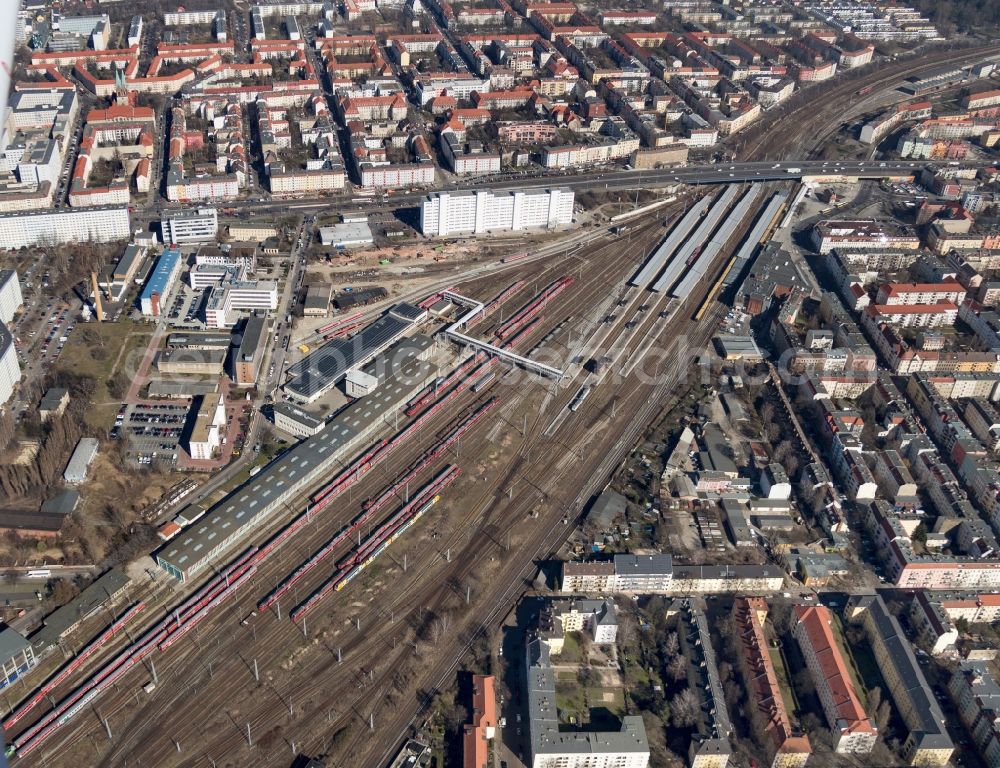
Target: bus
39, 573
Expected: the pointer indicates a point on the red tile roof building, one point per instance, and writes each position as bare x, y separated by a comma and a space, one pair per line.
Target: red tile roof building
853, 730
789, 749
477, 734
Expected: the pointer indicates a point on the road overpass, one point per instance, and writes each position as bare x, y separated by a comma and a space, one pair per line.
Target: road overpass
611, 179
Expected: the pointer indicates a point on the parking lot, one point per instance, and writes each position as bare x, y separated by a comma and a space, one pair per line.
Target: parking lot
184, 311
152, 430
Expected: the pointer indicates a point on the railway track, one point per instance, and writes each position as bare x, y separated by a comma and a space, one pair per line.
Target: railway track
815, 119
195, 668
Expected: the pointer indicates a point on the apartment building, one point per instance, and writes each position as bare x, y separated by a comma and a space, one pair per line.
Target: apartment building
29, 229
479, 211
930, 619
975, 609
976, 693
11, 300
927, 743
10, 368
982, 99
789, 748
710, 746
942, 315
893, 294
552, 747
596, 617
583, 578
862, 235
477, 734
853, 731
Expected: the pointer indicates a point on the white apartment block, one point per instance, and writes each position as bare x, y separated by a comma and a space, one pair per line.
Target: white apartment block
10, 295
227, 301
933, 623
38, 229
479, 211
185, 18
552, 747
10, 369
597, 617
299, 182
207, 188
199, 225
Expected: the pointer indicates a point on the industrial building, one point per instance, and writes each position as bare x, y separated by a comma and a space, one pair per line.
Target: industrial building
293, 420
10, 295
116, 280
316, 374
191, 362
10, 368
79, 462
317, 300
248, 350
199, 340
105, 590
160, 283
482, 210
347, 234
228, 300
192, 226
251, 505
205, 436
53, 403
928, 742
16, 656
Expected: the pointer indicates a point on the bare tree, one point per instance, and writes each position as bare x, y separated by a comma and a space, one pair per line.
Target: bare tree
677, 668
684, 708
671, 645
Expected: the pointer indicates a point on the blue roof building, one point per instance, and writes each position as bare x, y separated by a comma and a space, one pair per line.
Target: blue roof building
166, 271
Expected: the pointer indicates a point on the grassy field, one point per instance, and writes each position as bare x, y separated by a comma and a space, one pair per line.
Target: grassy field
853, 662
101, 350
781, 672
579, 705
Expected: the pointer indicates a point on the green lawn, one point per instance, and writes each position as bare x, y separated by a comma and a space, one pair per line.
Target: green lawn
781, 672
853, 663
571, 649
570, 702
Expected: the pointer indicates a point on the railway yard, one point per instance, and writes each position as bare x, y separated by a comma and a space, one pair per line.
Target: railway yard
327, 626
321, 630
